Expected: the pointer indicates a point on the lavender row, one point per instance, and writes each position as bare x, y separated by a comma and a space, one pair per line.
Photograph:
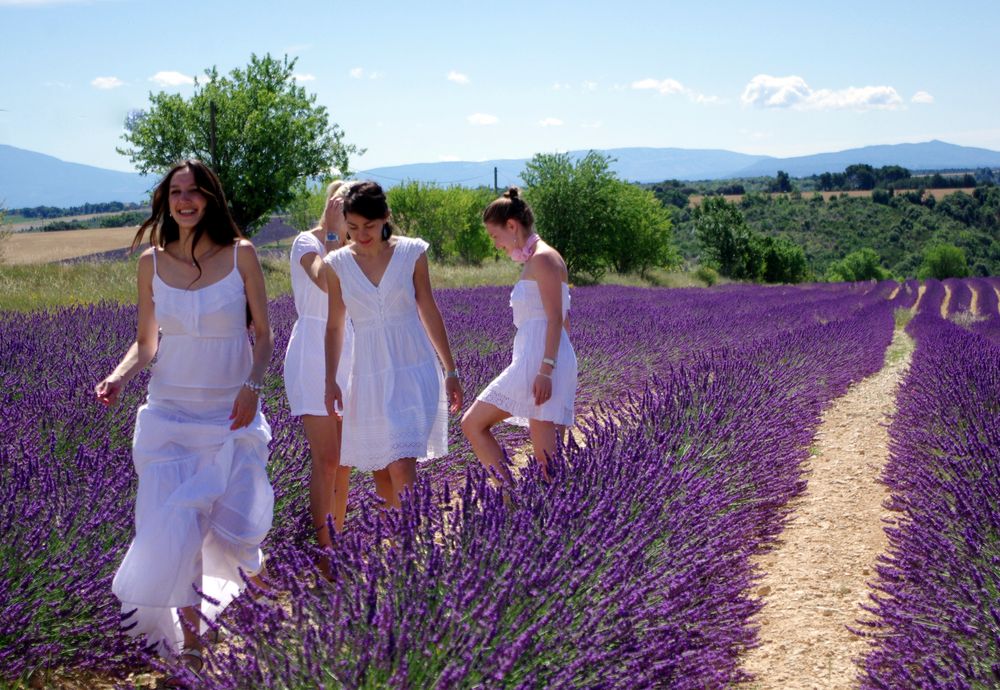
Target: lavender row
937, 613
67, 485
630, 569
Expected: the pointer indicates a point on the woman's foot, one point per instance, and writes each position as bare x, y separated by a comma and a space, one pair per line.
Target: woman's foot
193, 660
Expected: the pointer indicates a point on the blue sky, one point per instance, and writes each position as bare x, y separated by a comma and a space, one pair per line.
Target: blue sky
428, 81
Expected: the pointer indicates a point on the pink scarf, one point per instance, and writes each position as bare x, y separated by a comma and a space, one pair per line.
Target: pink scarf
522, 254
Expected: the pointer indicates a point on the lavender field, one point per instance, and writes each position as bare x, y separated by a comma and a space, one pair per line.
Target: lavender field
631, 569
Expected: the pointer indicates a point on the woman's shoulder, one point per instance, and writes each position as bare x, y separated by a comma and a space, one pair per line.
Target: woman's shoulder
548, 259
337, 256
411, 245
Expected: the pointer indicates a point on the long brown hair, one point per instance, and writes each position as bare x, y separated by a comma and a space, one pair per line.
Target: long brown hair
217, 222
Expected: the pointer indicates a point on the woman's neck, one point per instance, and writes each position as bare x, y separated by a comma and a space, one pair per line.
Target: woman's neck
373, 249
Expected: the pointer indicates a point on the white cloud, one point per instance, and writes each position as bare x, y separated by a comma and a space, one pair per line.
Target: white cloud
357, 72
589, 86
766, 91
561, 87
551, 122
665, 86
482, 119
107, 83
458, 77
304, 77
922, 97
671, 87
171, 79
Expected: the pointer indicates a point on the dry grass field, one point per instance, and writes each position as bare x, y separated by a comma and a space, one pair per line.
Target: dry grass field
938, 194
44, 247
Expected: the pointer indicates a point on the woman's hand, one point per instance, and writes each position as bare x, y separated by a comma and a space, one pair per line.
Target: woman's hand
108, 390
334, 400
542, 389
244, 408
453, 391
333, 217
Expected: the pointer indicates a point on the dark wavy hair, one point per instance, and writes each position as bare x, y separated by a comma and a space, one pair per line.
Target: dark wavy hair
510, 206
368, 200
217, 222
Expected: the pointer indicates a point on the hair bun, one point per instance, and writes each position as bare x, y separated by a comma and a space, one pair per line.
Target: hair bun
512, 193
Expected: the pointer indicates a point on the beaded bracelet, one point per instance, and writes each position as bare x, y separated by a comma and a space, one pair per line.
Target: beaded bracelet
255, 387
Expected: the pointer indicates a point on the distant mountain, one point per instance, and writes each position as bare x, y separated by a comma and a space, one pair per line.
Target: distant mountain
28, 178
931, 155
633, 164
34, 179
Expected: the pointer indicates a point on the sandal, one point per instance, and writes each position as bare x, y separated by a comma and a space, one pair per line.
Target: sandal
179, 680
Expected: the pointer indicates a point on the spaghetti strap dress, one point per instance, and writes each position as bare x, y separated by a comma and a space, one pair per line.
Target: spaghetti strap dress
394, 403
511, 391
204, 502
305, 360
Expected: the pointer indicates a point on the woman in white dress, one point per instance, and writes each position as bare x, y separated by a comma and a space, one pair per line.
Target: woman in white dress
204, 502
538, 389
395, 405
305, 365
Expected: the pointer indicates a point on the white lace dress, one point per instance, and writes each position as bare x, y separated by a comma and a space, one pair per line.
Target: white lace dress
394, 403
305, 359
511, 391
204, 503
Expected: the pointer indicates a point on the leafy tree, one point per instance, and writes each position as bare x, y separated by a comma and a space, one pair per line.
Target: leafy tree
270, 136
641, 237
450, 219
726, 242
782, 182
860, 176
943, 261
863, 264
571, 202
784, 261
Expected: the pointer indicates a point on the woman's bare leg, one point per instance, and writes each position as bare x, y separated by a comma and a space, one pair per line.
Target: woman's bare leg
544, 442
324, 446
403, 473
477, 423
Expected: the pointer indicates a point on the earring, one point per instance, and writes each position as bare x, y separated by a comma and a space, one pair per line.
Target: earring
385, 232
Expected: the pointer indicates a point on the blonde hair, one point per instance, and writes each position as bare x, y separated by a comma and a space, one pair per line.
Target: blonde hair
337, 188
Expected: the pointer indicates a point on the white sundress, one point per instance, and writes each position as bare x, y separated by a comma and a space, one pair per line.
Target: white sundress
511, 391
204, 503
394, 403
305, 359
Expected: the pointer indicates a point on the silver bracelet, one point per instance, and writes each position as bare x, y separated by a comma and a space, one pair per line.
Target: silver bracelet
548, 360
453, 374
255, 387
548, 376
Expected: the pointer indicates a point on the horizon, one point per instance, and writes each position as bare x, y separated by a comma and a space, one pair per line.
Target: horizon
471, 84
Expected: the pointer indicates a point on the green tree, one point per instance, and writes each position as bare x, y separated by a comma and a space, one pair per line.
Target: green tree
270, 136
943, 261
572, 203
782, 182
784, 261
727, 243
864, 264
450, 219
642, 236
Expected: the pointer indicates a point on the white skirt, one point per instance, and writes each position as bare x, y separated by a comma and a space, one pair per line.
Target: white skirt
511, 391
204, 505
305, 366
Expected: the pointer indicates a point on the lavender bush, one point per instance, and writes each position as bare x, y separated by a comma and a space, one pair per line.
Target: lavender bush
630, 568
937, 610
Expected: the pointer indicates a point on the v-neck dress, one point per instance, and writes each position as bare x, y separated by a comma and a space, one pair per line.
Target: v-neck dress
305, 360
204, 502
394, 403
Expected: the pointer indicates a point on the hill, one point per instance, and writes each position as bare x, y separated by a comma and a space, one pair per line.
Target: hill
28, 179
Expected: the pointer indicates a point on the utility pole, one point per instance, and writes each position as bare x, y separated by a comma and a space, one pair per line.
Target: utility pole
496, 188
211, 136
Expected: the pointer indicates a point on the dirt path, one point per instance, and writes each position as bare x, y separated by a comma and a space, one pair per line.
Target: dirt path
974, 302
945, 302
817, 575
921, 289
